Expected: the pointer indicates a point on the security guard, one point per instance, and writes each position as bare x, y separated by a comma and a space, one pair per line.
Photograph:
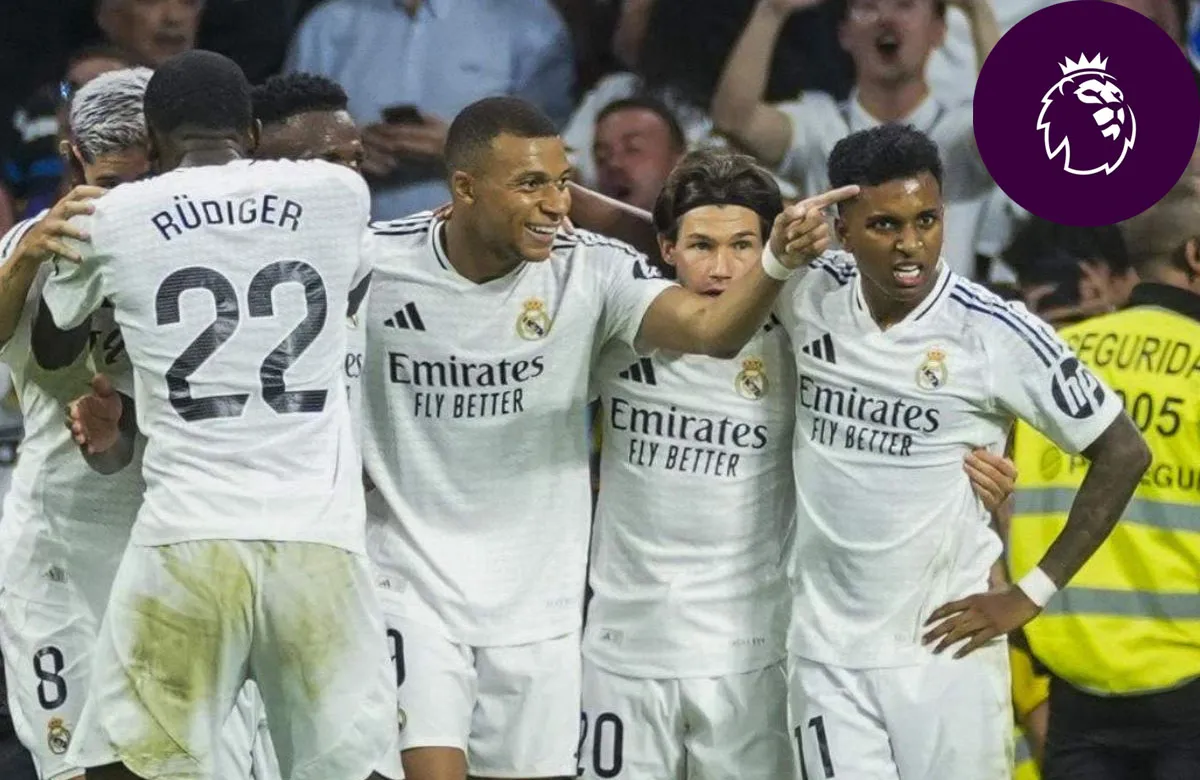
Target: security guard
1122, 640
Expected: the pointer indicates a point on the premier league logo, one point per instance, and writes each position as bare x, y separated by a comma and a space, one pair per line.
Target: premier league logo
1085, 120
1086, 113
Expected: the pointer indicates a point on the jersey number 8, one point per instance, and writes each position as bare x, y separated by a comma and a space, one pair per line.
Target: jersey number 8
228, 315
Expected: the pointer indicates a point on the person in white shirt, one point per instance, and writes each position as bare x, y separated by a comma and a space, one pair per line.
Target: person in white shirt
481, 335
890, 42
684, 659
65, 524
228, 279
903, 365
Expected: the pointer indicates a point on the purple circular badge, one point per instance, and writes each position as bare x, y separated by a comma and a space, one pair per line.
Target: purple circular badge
1086, 113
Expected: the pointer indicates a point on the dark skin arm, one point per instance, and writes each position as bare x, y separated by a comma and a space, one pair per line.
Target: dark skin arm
1118, 458
601, 214
53, 348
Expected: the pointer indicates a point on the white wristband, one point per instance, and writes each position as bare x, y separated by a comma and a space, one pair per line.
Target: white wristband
773, 268
1038, 586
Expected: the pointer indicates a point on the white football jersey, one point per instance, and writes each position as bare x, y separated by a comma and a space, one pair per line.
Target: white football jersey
53, 489
888, 527
230, 285
696, 506
475, 409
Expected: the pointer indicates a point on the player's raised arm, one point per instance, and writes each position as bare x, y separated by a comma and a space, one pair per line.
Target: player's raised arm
682, 321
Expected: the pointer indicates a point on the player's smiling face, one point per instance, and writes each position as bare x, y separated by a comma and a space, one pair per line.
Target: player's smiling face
313, 135
521, 195
894, 231
713, 246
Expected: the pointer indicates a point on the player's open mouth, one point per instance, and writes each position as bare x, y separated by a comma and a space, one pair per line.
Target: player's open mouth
908, 274
887, 44
543, 234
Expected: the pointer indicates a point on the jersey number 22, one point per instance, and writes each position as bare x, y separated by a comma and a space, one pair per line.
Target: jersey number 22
228, 315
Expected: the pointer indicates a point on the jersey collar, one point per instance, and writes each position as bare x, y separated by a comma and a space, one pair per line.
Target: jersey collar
923, 116
862, 314
1166, 296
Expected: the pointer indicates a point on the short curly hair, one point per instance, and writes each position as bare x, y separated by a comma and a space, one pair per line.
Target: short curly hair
881, 154
198, 89
280, 98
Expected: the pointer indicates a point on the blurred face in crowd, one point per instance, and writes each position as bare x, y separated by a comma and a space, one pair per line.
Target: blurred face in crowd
155, 30
890, 40
313, 135
714, 246
516, 198
634, 153
894, 231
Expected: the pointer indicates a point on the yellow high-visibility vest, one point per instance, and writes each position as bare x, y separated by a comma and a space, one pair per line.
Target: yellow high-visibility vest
1129, 622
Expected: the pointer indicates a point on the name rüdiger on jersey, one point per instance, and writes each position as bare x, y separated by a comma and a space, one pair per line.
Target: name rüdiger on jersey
905, 418
266, 209
722, 434
452, 373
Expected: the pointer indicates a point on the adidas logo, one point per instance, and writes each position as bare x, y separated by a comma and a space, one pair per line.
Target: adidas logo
641, 371
406, 318
821, 349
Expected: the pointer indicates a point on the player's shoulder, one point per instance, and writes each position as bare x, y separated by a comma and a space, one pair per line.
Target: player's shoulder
832, 270
9, 241
394, 245
603, 254
312, 174
988, 319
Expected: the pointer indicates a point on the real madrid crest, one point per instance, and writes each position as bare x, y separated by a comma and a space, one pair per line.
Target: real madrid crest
931, 374
58, 738
533, 322
751, 381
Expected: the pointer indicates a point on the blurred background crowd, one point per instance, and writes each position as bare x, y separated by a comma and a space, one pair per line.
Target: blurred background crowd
634, 84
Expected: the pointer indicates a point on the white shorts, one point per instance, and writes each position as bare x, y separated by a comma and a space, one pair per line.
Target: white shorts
514, 711
945, 719
189, 623
732, 727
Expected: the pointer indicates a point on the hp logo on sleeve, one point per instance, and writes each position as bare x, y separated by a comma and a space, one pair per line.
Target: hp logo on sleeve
1076, 391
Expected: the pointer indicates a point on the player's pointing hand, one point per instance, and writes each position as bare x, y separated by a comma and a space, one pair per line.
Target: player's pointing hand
95, 417
801, 231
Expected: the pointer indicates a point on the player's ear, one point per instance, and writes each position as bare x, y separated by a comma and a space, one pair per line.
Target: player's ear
73, 160
666, 248
1191, 256
254, 136
462, 186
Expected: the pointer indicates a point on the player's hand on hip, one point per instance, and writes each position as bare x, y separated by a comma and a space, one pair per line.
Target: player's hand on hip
94, 419
993, 477
801, 231
48, 237
979, 618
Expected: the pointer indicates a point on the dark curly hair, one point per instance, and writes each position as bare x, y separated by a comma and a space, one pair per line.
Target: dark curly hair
881, 154
280, 98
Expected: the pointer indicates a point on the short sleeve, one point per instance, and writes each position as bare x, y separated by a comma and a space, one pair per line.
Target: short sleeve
629, 285
954, 133
817, 124
74, 290
20, 335
1036, 377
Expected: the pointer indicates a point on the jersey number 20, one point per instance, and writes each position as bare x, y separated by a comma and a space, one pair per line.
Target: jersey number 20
228, 315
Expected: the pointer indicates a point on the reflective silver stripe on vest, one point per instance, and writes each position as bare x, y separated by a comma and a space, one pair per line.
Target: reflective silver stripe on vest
1023, 752
1126, 603
1156, 514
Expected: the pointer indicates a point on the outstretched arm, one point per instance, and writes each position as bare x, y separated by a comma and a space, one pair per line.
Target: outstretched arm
601, 214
